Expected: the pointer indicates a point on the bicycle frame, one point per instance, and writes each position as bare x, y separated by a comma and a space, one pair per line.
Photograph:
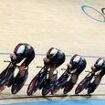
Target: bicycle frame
41, 77
63, 79
85, 82
38, 81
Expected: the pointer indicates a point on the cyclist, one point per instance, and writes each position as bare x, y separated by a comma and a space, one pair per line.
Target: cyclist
54, 58
24, 54
76, 65
99, 69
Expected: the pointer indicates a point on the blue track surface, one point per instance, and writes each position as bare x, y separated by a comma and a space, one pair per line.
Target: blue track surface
66, 102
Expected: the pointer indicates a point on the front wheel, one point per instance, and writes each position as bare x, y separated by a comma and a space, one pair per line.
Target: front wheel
5, 77
32, 87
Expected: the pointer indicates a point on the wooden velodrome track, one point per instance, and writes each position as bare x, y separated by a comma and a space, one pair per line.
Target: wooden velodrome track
47, 23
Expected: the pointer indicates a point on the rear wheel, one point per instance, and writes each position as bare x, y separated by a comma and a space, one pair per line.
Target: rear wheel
91, 88
68, 87
16, 87
45, 91
19, 83
47, 88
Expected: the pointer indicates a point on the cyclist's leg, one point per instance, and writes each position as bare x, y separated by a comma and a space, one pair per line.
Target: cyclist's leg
59, 63
78, 72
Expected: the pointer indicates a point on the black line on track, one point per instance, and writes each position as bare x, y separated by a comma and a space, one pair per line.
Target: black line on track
49, 97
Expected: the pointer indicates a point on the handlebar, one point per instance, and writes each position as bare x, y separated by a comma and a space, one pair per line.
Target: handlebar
39, 66
43, 67
12, 63
87, 71
63, 69
92, 72
7, 61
